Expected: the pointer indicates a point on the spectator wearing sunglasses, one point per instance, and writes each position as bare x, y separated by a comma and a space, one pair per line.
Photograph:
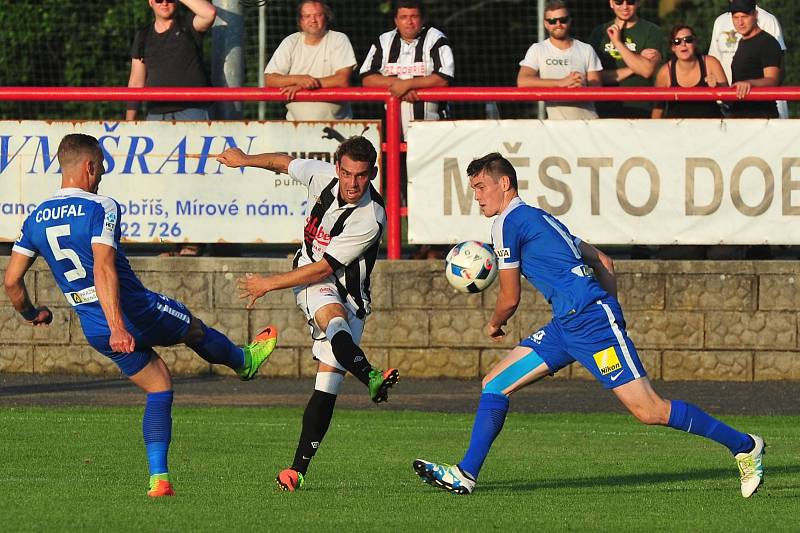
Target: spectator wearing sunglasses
688, 68
561, 61
168, 53
630, 49
758, 62
725, 41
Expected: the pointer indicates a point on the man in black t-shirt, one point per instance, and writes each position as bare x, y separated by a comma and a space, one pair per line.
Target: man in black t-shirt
168, 53
758, 62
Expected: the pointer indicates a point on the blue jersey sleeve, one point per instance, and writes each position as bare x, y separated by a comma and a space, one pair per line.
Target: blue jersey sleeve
105, 227
24, 244
506, 243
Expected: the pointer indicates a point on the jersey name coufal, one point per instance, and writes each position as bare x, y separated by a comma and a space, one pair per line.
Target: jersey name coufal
61, 211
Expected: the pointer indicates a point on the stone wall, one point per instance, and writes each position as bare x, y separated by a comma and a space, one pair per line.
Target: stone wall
734, 321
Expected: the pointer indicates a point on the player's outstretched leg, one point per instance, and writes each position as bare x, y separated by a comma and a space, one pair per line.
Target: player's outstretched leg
351, 357
218, 349
646, 405
519, 368
316, 421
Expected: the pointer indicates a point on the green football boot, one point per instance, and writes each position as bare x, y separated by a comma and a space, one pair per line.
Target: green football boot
380, 383
257, 352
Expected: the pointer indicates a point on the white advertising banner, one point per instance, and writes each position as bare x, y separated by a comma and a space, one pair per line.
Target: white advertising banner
164, 175
616, 181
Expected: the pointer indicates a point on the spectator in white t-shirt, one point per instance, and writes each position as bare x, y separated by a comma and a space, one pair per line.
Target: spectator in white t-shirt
313, 58
725, 42
561, 61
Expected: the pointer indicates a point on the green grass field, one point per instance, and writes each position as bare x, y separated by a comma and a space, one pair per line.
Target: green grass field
84, 469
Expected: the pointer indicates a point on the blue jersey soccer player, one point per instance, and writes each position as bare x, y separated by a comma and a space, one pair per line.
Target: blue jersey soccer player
77, 232
587, 326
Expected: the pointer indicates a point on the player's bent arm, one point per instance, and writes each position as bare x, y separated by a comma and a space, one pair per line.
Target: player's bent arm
507, 297
235, 158
106, 284
14, 282
603, 267
135, 80
254, 287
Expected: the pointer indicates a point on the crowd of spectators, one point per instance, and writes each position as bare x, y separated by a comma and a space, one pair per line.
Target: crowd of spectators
745, 50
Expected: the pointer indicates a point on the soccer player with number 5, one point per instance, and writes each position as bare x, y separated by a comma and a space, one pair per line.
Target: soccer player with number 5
578, 281
78, 233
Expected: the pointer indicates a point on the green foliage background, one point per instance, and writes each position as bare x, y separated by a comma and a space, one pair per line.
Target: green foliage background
86, 43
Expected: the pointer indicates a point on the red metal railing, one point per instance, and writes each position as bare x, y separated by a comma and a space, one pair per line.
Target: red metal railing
363, 94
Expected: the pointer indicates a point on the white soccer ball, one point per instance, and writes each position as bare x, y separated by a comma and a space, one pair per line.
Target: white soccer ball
471, 266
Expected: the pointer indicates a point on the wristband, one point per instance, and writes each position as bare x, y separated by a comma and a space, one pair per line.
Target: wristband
30, 315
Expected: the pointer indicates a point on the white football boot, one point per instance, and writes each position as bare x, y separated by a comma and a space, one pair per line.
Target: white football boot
448, 477
751, 472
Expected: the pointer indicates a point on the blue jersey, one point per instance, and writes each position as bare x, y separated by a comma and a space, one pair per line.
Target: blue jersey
548, 255
62, 229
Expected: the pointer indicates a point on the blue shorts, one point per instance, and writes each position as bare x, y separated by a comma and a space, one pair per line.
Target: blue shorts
166, 326
596, 338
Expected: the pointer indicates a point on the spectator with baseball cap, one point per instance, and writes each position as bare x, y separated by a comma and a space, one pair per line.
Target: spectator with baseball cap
758, 62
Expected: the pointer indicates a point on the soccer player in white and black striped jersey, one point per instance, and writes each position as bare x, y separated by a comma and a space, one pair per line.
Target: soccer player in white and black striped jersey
330, 277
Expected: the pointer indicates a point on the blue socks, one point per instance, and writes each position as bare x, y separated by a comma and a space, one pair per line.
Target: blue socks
157, 430
691, 419
489, 420
218, 349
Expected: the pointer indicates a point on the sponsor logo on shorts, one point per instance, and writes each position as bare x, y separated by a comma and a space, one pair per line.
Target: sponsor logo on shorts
538, 336
327, 291
607, 361
617, 375
503, 253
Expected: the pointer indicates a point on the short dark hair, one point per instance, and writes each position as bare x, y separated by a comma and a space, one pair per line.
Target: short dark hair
496, 166
555, 5
678, 27
357, 148
75, 145
325, 8
409, 4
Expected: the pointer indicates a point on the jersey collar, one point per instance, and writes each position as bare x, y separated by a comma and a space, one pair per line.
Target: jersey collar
513, 204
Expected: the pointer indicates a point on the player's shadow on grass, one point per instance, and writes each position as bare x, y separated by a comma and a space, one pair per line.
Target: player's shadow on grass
120, 384
636, 480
